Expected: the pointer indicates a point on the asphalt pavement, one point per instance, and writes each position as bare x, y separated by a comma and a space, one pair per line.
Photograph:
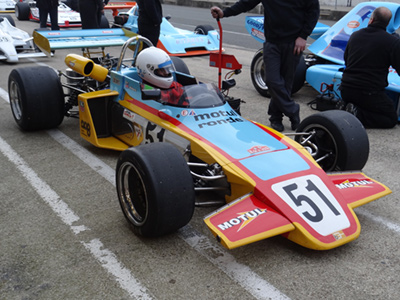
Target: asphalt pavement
63, 235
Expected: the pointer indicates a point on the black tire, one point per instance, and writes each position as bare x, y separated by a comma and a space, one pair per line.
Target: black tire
299, 76
155, 189
22, 11
203, 29
9, 18
339, 136
36, 98
180, 65
257, 73
104, 22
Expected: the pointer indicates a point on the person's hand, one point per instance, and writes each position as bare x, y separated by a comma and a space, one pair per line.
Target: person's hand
216, 12
299, 46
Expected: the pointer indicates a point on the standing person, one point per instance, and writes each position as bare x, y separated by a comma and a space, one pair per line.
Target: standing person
48, 7
368, 55
150, 18
287, 24
91, 12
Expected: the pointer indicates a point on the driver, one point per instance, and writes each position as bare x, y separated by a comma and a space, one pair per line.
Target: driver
156, 68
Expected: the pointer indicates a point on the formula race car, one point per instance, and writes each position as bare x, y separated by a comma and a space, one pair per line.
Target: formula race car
304, 189
176, 42
66, 16
15, 43
7, 6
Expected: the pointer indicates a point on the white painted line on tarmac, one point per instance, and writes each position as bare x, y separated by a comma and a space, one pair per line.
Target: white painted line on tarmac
106, 258
110, 262
392, 226
243, 275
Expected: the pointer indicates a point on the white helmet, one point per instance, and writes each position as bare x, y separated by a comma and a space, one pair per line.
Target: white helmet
155, 67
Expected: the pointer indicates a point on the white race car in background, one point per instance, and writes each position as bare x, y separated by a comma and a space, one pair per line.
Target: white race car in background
15, 43
7, 6
67, 17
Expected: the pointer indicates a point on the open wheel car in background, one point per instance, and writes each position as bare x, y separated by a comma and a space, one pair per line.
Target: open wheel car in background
175, 41
67, 17
15, 43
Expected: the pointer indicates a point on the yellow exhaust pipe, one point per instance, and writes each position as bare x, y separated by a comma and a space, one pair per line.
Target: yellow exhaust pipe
86, 67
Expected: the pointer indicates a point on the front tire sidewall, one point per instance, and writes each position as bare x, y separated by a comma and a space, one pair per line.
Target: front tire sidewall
350, 138
158, 186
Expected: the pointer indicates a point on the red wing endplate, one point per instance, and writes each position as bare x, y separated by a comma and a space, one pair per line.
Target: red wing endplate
358, 189
245, 221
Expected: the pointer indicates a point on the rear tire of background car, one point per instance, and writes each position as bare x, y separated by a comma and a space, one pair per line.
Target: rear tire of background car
22, 11
339, 136
180, 65
257, 74
203, 29
155, 189
36, 98
9, 18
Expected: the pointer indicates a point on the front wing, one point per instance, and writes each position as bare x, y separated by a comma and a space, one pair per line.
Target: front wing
248, 219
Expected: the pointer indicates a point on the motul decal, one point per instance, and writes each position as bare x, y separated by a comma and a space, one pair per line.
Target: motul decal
242, 219
350, 184
353, 24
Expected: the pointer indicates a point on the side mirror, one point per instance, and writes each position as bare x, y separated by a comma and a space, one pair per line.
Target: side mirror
153, 94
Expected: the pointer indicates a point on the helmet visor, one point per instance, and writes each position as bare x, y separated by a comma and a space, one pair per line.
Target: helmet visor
165, 69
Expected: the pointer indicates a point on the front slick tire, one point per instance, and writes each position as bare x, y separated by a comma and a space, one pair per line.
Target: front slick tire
155, 189
338, 138
36, 98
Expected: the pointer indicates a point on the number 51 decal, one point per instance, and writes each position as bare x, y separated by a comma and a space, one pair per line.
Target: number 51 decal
309, 197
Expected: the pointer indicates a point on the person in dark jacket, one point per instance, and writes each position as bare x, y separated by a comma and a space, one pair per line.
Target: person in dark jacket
91, 12
150, 18
368, 55
287, 24
46, 8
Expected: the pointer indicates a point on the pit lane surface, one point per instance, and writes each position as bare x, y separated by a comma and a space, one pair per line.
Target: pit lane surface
63, 235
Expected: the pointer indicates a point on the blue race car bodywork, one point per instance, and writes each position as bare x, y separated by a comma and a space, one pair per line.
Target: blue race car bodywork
175, 41
331, 45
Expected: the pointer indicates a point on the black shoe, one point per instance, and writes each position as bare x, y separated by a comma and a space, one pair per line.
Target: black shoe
351, 108
295, 122
277, 126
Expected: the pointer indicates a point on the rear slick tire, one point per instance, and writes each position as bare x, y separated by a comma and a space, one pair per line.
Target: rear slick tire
36, 98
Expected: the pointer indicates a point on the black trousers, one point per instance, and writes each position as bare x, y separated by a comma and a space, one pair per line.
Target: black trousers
44, 12
374, 110
280, 67
149, 31
90, 14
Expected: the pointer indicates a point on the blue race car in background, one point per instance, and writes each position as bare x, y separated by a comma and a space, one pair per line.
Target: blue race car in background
323, 67
329, 49
176, 42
